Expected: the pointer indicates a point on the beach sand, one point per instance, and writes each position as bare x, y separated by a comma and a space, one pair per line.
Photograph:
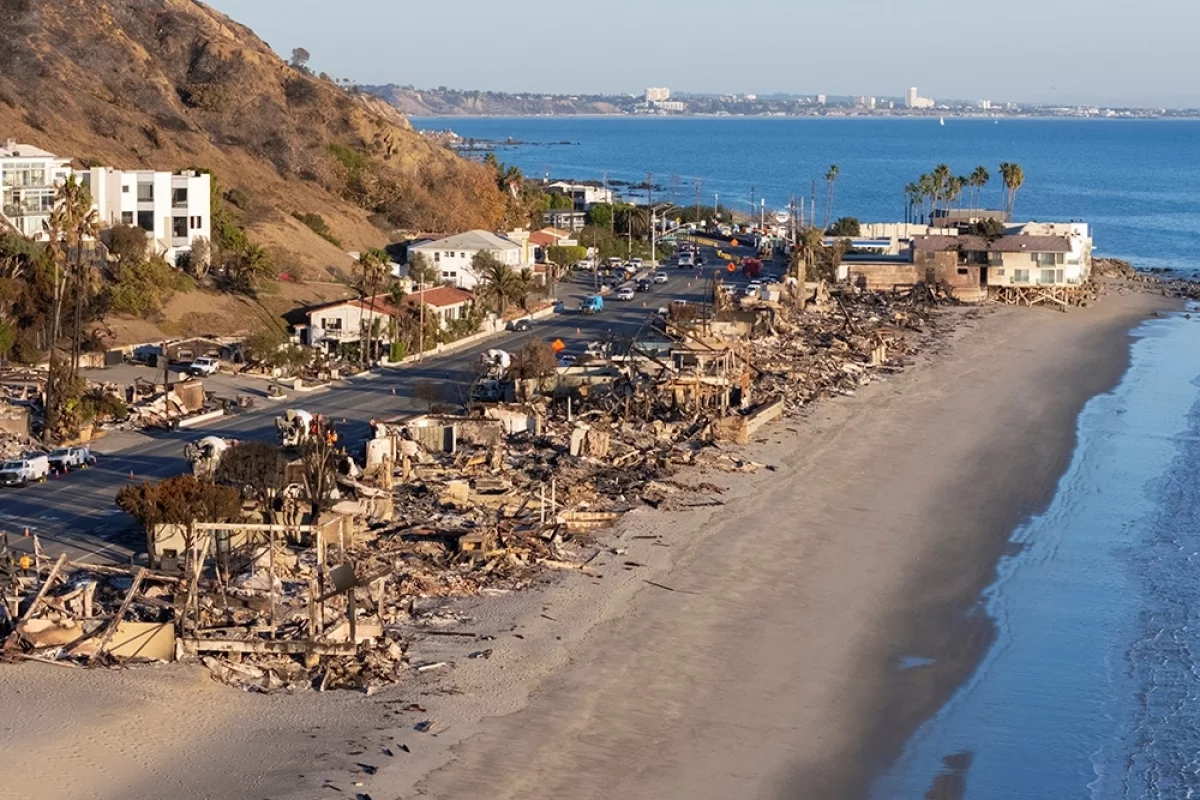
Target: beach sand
764, 659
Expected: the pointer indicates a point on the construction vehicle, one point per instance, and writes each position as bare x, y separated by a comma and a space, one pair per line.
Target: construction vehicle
205, 455
295, 427
489, 386
592, 304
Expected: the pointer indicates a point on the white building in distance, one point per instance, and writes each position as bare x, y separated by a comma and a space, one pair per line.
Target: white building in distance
173, 210
452, 255
913, 100
657, 94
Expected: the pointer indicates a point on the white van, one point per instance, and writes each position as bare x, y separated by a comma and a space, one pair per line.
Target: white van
25, 470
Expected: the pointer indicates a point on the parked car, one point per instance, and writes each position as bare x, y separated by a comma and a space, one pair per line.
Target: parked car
752, 289
521, 325
660, 277
625, 293
205, 365
25, 470
566, 360
643, 285
65, 459
636, 263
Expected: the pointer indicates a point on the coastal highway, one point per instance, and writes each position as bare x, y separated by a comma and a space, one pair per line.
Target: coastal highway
76, 513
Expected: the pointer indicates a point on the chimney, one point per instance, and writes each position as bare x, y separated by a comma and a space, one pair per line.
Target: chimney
10, 144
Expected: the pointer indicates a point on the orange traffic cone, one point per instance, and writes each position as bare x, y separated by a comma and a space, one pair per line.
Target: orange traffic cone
578, 331
130, 474
27, 533
393, 390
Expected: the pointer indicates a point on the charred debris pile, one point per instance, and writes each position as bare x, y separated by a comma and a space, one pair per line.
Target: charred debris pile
453, 505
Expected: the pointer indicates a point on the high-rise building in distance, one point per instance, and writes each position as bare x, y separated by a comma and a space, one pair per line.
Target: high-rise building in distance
657, 95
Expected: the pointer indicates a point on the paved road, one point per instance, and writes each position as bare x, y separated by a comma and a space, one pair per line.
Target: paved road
76, 512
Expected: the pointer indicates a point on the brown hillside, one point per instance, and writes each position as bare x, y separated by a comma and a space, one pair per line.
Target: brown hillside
168, 84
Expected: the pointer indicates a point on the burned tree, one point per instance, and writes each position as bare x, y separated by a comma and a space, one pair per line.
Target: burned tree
181, 500
318, 459
256, 470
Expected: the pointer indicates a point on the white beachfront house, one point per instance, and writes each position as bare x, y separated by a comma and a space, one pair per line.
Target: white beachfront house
173, 209
451, 256
29, 177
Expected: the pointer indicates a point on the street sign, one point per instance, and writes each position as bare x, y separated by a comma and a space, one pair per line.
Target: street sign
558, 345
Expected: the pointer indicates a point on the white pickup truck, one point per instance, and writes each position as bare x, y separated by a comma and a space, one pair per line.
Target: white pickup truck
65, 459
24, 470
205, 365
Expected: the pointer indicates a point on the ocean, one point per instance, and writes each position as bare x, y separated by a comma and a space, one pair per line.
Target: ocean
1092, 687
1136, 181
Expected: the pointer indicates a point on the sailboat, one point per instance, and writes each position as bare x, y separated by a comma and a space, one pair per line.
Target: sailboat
942, 121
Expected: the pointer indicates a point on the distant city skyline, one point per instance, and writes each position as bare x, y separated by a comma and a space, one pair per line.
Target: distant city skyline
1049, 52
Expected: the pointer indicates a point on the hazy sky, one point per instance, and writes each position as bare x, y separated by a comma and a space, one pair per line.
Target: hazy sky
1115, 52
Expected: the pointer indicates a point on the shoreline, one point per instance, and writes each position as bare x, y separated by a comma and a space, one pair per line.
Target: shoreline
752, 651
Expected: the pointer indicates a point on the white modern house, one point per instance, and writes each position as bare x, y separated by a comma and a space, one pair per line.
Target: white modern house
583, 195
452, 255
173, 209
29, 178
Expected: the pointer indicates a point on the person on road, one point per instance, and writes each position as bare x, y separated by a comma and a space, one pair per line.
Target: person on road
25, 562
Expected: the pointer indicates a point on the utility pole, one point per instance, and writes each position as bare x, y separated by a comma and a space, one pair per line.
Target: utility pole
752, 206
421, 323
612, 216
717, 206
699, 183
762, 214
812, 216
166, 383
653, 239
649, 189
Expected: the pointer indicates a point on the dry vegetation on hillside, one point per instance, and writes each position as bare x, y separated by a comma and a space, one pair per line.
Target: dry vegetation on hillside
169, 84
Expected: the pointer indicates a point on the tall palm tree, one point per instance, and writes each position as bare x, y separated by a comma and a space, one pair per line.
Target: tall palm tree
830, 178
941, 186
979, 179
1014, 179
498, 282
85, 228
957, 184
372, 268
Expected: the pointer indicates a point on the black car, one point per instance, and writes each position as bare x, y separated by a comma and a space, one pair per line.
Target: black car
522, 325
643, 285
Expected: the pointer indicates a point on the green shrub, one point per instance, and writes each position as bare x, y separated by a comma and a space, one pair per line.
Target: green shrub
316, 223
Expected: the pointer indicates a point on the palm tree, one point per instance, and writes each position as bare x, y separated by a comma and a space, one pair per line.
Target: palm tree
911, 192
957, 184
830, 179
498, 282
941, 187
808, 244
1014, 179
373, 268
979, 179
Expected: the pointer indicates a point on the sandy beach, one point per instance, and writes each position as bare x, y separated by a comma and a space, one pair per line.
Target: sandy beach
781, 644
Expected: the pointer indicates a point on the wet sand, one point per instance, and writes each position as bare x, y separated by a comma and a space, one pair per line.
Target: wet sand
768, 658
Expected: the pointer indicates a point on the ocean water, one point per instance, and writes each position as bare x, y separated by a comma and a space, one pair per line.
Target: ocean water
1092, 687
1137, 182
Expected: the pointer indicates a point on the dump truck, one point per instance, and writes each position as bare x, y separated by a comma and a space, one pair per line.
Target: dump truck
592, 304
295, 427
205, 455
752, 268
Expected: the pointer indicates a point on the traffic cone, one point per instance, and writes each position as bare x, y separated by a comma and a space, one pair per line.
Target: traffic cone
578, 331
27, 533
130, 474
393, 391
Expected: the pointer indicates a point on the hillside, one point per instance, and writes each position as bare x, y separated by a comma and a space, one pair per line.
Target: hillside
452, 103
168, 84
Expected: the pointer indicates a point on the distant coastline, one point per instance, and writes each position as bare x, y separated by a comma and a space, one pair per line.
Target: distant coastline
445, 102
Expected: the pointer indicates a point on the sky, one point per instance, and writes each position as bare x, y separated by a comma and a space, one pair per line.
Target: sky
1101, 52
